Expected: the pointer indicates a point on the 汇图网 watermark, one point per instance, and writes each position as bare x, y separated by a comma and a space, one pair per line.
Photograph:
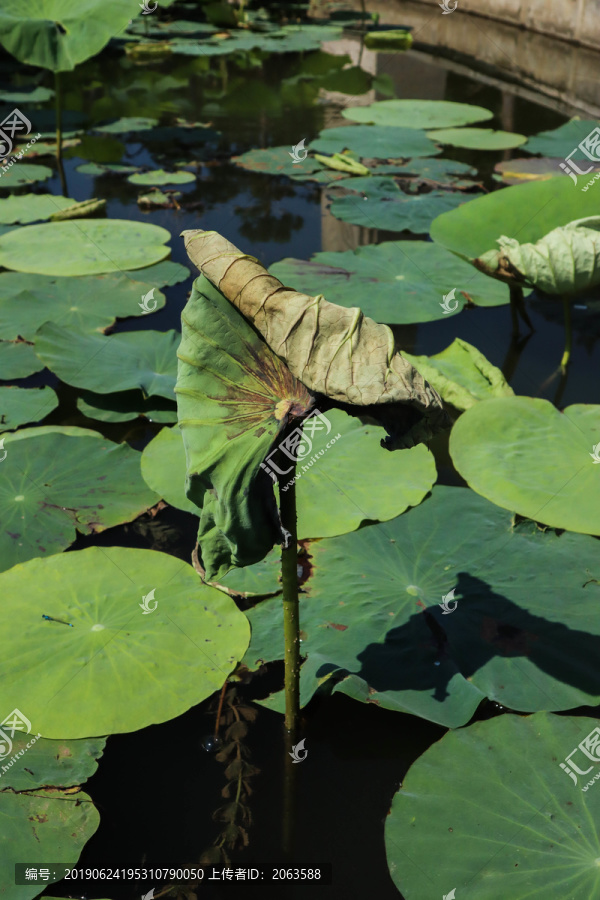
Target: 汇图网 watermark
590, 147
590, 747
14, 721
298, 446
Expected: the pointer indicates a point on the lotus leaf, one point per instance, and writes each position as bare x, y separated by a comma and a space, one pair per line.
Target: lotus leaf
276, 161
462, 375
565, 261
383, 205
112, 643
128, 124
395, 39
336, 352
525, 211
393, 282
58, 479
46, 825
84, 247
37, 95
124, 406
418, 113
17, 360
375, 142
372, 609
31, 207
16, 175
526, 456
504, 821
159, 176
532, 168
64, 763
21, 405
59, 34
477, 138
121, 362
562, 141
80, 210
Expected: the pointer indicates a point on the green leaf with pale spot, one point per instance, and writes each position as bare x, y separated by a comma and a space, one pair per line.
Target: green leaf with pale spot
121, 362
58, 479
152, 666
21, 405
84, 247
526, 456
372, 615
418, 113
462, 375
504, 818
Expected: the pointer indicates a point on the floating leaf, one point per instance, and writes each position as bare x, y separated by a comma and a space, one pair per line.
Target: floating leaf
124, 406
17, 360
395, 39
59, 34
16, 175
80, 210
510, 638
441, 171
31, 207
121, 362
395, 283
159, 176
518, 171
128, 124
64, 763
526, 456
505, 822
58, 479
462, 375
375, 142
37, 95
83, 248
276, 161
186, 647
562, 141
97, 169
477, 138
418, 113
383, 205
21, 405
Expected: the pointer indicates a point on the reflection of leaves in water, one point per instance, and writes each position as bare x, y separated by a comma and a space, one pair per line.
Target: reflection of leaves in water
262, 219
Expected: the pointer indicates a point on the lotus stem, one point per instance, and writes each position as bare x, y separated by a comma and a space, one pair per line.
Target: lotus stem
291, 633
568, 333
517, 308
58, 108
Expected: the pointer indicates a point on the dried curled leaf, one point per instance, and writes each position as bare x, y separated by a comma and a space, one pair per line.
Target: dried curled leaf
334, 351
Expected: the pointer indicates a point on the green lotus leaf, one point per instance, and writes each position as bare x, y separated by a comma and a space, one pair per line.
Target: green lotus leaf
121, 362
44, 763
526, 456
98, 169
37, 95
123, 406
350, 359
156, 199
276, 161
260, 580
526, 212
375, 142
59, 34
393, 282
17, 360
84, 247
562, 141
477, 138
565, 261
81, 210
159, 176
383, 205
462, 375
59, 479
128, 124
372, 613
89, 303
418, 113
185, 647
44, 826
441, 171
325, 472
31, 207
505, 822
388, 41
21, 405
16, 175
532, 168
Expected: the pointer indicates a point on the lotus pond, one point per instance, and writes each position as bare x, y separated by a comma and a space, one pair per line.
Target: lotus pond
299, 491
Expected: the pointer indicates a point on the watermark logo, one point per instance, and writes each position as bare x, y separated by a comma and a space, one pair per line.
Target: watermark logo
446, 600
448, 9
145, 6
590, 747
446, 304
15, 721
297, 446
14, 123
145, 606
590, 147
297, 749
297, 149
145, 305
595, 455
149, 895
5, 452
451, 895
